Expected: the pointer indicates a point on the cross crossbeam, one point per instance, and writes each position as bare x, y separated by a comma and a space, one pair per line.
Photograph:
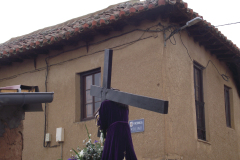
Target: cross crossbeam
105, 92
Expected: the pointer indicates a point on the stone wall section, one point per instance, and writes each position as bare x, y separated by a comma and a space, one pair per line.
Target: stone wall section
11, 144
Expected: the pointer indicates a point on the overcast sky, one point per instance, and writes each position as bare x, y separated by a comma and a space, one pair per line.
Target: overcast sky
19, 17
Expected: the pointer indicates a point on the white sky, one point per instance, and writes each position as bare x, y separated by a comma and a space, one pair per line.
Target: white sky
19, 17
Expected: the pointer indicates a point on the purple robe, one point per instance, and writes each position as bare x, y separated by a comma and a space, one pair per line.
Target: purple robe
113, 118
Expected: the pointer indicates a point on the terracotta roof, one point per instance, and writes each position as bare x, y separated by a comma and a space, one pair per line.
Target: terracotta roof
120, 15
75, 26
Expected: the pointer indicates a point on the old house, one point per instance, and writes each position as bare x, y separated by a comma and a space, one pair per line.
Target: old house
196, 69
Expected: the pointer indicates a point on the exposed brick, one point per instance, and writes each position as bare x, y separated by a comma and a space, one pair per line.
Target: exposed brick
12, 143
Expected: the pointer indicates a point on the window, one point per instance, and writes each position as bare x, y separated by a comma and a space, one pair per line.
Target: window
199, 103
89, 104
227, 106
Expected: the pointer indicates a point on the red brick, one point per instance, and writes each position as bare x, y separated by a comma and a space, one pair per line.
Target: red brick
140, 8
85, 25
32, 44
132, 10
37, 43
102, 21
112, 17
76, 29
45, 41
94, 23
67, 34
161, 2
122, 13
191, 11
150, 6
185, 5
52, 39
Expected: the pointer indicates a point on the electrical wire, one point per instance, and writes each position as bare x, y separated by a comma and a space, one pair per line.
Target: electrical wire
226, 24
224, 76
99, 42
173, 38
185, 47
43, 68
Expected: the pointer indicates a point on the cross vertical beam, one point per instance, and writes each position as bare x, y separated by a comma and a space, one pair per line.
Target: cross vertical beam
107, 72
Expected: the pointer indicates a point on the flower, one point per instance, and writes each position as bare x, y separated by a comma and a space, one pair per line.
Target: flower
81, 154
101, 138
91, 151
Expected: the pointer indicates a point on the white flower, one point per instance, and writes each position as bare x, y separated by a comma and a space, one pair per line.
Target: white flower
84, 141
90, 135
101, 137
89, 140
81, 153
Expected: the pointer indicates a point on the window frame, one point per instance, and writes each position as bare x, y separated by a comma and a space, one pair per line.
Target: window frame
83, 92
228, 115
201, 130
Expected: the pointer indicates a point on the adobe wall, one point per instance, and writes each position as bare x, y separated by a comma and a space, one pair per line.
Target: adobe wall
11, 143
146, 68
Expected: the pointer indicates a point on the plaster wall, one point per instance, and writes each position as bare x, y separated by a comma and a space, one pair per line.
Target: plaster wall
145, 68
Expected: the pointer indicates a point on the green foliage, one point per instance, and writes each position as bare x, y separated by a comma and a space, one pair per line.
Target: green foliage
76, 153
90, 151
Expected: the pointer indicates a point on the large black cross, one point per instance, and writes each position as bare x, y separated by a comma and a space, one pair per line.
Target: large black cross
105, 92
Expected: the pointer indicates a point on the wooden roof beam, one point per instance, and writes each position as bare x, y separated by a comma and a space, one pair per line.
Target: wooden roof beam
219, 52
5, 63
226, 55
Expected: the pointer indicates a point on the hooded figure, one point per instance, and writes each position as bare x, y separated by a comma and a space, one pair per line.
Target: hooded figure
113, 120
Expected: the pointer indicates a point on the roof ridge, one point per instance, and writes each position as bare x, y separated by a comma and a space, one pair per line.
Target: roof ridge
70, 28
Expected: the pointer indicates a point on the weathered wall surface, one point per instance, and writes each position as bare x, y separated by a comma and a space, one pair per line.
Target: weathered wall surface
11, 144
146, 68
